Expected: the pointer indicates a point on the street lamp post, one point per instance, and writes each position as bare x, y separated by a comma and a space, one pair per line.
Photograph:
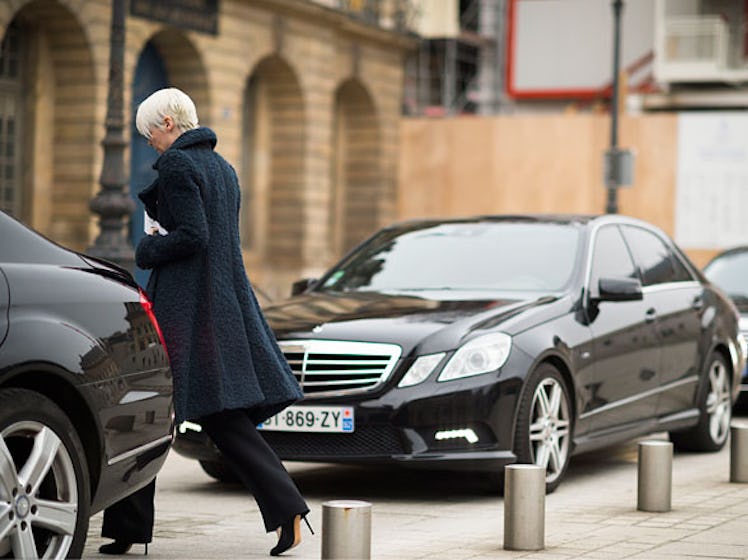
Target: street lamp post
611, 179
113, 203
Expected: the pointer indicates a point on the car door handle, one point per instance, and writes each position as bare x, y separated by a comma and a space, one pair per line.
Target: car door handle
650, 315
697, 303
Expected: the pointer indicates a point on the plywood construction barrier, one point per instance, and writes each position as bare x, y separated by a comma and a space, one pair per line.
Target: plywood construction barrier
536, 164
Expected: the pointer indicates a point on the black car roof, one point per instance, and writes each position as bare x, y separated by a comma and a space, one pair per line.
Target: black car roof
581, 219
731, 251
726, 254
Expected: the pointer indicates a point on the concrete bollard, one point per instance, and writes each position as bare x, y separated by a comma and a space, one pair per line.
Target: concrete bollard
524, 507
738, 452
655, 476
346, 530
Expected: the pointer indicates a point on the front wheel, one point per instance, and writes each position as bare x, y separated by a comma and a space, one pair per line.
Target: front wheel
715, 411
544, 425
44, 495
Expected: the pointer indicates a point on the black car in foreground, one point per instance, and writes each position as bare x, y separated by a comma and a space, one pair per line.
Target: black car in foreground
86, 412
468, 344
729, 271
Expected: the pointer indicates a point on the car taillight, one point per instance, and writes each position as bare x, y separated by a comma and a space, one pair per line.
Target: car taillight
148, 307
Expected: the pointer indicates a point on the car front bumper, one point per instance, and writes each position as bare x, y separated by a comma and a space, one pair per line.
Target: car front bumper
462, 425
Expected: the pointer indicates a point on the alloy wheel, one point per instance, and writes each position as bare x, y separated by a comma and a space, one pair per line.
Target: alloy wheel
718, 402
549, 428
38, 492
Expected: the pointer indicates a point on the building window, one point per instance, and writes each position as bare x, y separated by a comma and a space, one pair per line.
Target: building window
10, 129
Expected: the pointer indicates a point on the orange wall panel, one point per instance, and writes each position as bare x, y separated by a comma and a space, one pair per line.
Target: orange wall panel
554, 163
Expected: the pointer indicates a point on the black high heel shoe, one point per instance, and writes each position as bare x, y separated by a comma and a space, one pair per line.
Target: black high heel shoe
289, 535
119, 548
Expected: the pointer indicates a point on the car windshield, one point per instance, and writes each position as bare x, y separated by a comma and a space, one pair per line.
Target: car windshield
730, 273
485, 256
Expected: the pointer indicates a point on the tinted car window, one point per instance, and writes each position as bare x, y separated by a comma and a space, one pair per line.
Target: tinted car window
22, 245
462, 256
656, 261
611, 258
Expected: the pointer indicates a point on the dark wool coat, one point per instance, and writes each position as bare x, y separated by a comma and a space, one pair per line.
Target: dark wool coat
222, 352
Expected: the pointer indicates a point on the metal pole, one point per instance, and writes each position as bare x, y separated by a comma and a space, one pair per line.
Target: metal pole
655, 476
524, 507
113, 203
739, 452
612, 204
449, 77
346, 530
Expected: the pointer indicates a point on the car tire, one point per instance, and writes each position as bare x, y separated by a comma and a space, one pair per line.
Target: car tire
715, 411
543, 433
219, 470
44, 482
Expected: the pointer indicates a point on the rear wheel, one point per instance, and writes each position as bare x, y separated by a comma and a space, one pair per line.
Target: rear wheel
44, 495
544, 424
715, 411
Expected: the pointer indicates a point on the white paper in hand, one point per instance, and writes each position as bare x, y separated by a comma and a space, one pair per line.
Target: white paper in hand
149, 224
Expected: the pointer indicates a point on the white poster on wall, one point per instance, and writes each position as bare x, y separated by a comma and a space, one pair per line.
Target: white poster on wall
712, 180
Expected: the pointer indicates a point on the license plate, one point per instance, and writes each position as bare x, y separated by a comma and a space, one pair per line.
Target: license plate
311, 419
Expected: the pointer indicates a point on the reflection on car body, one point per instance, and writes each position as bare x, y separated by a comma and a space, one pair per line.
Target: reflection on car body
86, 411
468, 344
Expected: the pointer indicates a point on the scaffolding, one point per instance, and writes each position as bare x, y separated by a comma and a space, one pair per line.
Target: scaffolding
462, 73
389, 14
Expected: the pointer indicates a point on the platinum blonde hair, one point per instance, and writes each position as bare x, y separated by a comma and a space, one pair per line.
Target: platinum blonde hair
170, 102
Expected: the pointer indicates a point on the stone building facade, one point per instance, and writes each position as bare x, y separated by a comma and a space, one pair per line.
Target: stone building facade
305, 99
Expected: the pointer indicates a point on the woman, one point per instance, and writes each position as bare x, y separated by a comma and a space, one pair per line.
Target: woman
229, 374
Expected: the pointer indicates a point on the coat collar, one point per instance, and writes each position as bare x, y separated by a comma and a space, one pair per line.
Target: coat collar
189, 139
195, 137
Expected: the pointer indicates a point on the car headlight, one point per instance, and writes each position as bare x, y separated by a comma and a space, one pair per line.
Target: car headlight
421, 369
481, 355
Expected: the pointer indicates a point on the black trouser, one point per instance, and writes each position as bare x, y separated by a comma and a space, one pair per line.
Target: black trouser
255, 463
131, 519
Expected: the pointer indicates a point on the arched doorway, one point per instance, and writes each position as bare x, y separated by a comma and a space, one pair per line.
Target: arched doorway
168, 59
49, 131
150, 75
357, 186
273, 165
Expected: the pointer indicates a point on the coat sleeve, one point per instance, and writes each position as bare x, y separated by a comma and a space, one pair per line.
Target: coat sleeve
148, 197
180, 186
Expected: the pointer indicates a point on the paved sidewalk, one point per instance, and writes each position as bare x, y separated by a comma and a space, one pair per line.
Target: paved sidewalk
592, 515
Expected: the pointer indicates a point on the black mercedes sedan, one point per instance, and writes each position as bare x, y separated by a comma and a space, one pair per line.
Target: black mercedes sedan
86, 413
469, 344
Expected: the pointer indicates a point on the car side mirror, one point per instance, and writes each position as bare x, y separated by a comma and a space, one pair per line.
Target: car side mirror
619, 289
301, 286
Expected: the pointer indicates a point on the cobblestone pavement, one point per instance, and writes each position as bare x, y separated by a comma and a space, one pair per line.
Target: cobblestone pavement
441, 516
